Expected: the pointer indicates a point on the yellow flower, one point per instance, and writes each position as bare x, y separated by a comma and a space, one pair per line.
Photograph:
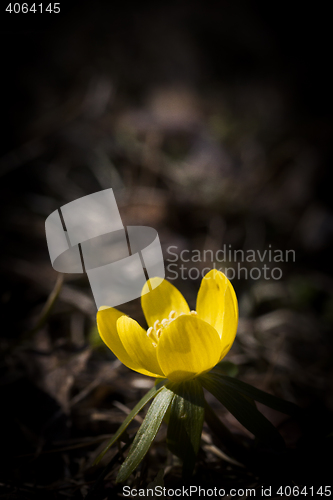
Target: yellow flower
179, 344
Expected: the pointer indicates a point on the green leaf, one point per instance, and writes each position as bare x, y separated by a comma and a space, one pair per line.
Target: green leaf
146, 434
226, 368
245, 412
146, 398
185, 424
226, 437
260, 396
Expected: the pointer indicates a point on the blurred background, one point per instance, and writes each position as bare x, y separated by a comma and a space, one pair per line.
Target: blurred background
212, 122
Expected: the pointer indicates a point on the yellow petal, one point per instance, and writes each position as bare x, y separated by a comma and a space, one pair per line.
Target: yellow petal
217, 304
138, 345
158, 303
187, 347
107, 327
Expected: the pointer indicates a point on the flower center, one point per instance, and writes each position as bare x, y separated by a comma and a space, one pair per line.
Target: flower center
154, 332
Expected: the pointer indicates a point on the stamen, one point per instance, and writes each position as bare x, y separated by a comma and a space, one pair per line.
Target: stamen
155, 331
152, 335
156, 324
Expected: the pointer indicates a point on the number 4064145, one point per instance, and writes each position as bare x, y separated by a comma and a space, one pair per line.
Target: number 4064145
24, 8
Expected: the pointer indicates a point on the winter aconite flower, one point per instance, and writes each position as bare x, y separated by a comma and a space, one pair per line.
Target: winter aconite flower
179, 344
182, 347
